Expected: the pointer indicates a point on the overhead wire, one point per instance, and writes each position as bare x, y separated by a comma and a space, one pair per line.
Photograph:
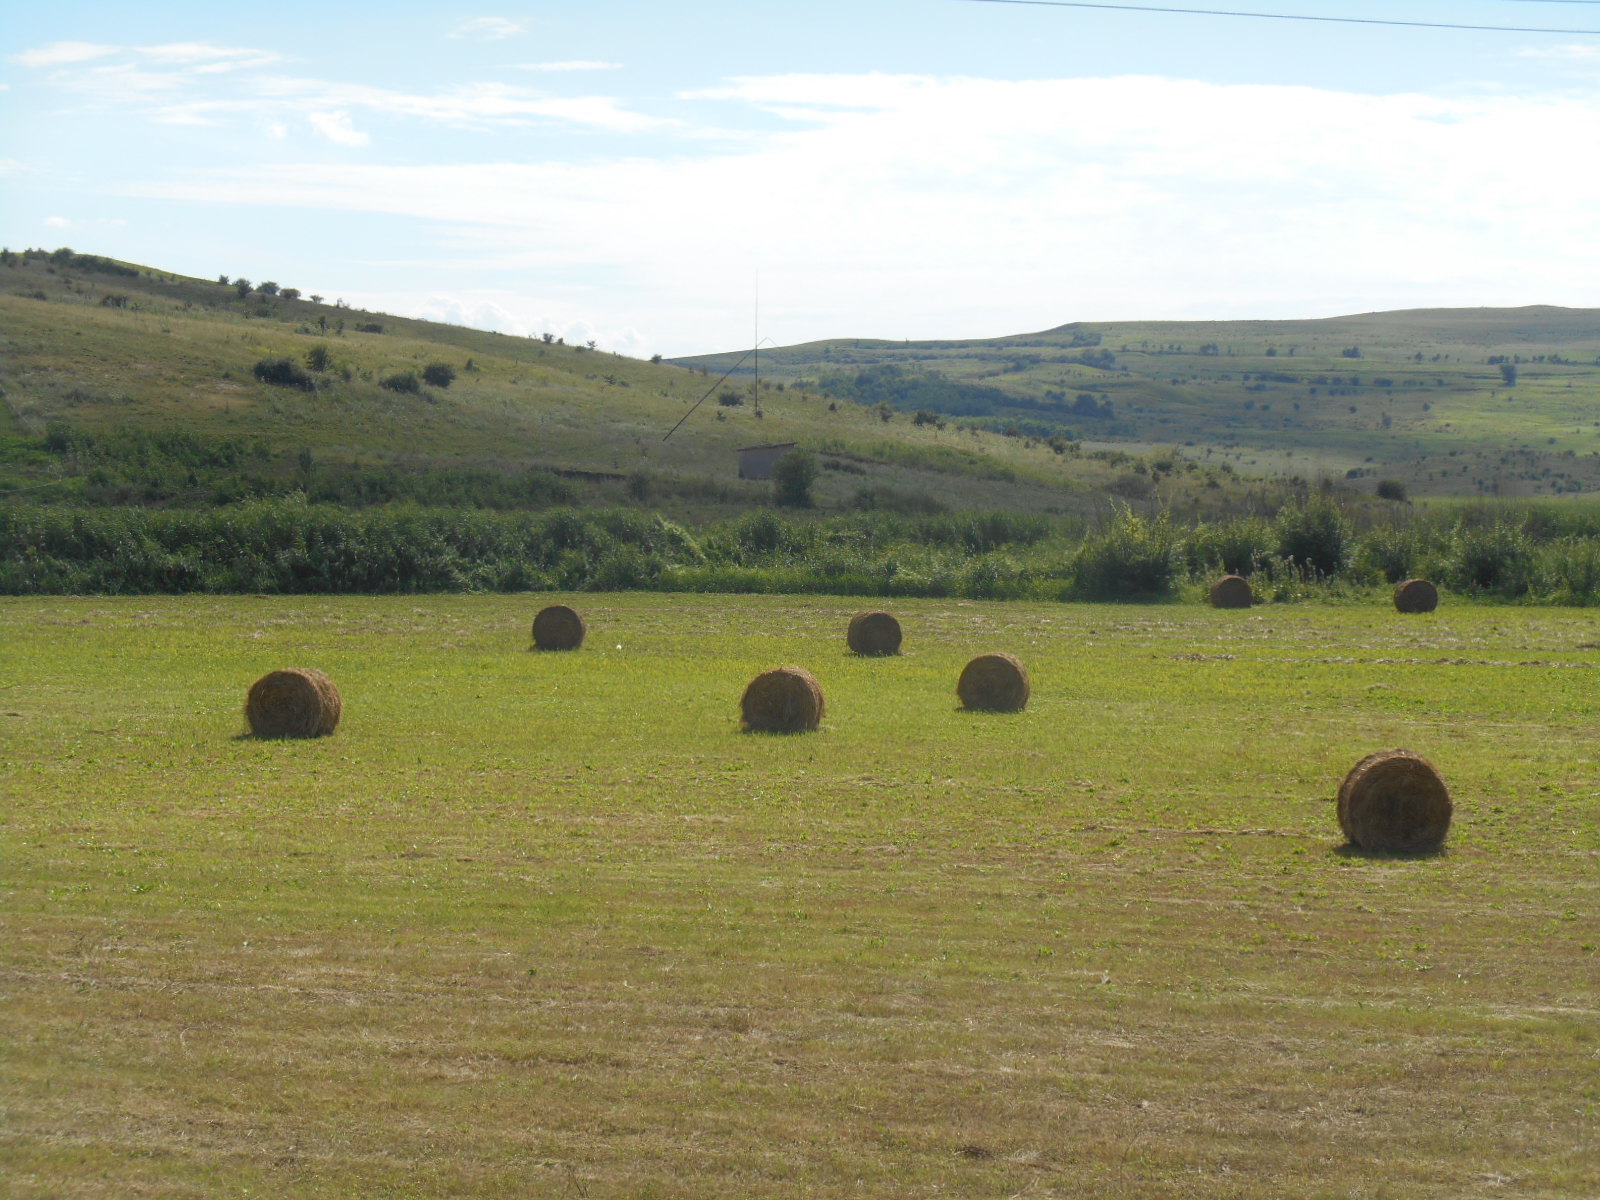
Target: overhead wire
709, 390
1278, 16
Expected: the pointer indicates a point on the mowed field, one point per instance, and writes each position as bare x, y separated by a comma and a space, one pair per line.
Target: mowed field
550, 925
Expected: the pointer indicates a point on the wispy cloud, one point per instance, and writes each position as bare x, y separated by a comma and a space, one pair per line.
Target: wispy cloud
95, 223
337, 128
489, 29
574, 64
61, 53
1576, 52
194, 83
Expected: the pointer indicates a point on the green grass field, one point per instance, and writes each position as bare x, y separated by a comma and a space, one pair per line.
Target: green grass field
549, 925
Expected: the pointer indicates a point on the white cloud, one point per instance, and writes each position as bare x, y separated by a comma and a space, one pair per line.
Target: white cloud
97, 222
337, 128
1580, 52
488, 29
277, 131
206, 58
576, 64
196, 83
924, 207
61, 53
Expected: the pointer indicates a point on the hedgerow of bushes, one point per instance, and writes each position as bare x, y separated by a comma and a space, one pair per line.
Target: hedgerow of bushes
292, 545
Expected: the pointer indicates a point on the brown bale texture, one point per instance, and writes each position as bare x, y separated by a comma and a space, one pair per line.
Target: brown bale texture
1416, 596
782, 700
1394, 802
994, 683
1231, 591
558, 627
296, 702
873, 633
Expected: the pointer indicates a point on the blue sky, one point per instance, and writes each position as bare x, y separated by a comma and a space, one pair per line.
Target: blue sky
646, 173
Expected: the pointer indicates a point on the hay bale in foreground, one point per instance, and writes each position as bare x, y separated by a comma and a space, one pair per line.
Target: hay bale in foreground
1395, 802
782, 700
1231, 591
873, 633
994, 683
558, 627
1416, 596
296, 702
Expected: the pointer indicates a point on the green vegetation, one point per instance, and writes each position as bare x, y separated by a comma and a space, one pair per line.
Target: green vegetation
548, 925
1539, 554
1477, 402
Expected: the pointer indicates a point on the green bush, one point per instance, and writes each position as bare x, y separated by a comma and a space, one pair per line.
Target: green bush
402, 381
1313, 535
1230, 547
284, 372
1494, 559
438, 374
1132, 558
792, 477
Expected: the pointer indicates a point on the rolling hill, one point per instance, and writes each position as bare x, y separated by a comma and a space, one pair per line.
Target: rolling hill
128, 384
1446, 401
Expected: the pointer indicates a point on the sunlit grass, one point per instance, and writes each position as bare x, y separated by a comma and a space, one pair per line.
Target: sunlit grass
547, 924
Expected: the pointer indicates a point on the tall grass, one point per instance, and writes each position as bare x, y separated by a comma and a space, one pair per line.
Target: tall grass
290, 545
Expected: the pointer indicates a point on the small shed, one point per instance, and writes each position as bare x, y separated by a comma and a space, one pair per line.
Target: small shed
756, 462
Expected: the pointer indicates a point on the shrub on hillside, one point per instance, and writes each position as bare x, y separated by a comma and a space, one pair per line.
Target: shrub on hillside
792, 477
284, 372
402, 381
438, 374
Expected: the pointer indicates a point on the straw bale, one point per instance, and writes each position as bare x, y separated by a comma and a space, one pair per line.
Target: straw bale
782, 700
1395, 802
1416, 596
296, 702
1231, 591
876, 633
558, 627
994, 683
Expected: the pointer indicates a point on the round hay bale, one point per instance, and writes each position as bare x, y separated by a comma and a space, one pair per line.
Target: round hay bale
296, 702
1394, 802
873, 633
1416, 596
558, 627
994, 683
1231, 591
782, 700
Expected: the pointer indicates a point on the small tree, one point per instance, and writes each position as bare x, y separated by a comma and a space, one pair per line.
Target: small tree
401, 381
289, 293
1392, 489
1508, 373
438, 374
319, 358
268, 288
284, 372
243, 286
792, 477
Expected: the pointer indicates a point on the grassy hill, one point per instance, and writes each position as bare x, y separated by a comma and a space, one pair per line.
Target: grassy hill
1445, 401
127, 384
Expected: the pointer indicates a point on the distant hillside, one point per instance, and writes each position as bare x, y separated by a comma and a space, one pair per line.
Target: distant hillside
128, 384
1442, 401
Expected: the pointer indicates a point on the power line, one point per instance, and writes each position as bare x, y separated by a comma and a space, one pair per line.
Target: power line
709, 390
1274, 16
